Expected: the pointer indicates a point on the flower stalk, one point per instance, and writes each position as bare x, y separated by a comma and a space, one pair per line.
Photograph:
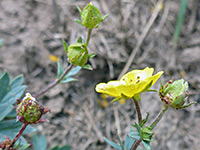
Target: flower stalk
89, 35
19, 134
41, 92
164, 108
138, 110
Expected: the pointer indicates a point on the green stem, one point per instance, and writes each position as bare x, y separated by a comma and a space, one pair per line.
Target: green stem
137, 143
88, 36
41, 92
138, 110
164, 108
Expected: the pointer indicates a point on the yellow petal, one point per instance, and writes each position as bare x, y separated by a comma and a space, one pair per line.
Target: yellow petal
132, 83
135, 75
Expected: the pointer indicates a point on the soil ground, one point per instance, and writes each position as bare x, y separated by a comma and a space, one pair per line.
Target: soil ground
32, 30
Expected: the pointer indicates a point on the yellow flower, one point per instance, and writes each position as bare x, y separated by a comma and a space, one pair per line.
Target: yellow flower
132, 83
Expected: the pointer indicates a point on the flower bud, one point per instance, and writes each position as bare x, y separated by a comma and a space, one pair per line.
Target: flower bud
78, 54
147, 134
175, 93
29, 110
90, 16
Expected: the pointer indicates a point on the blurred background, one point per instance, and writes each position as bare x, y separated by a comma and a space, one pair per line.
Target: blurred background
147, 30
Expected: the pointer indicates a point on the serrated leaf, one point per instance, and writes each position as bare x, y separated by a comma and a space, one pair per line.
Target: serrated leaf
39, 142
134, 135
112, 144
65, 147
60, 69
146, 144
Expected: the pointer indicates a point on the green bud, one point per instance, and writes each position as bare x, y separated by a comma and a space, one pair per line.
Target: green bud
90, 16
78, 54
175, 94
147, 134
29, 110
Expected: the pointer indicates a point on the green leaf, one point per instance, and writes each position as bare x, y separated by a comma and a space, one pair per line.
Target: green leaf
5, 110
80, 40
60, 69
120, 142
129, 141
72, 72
104, 17
10, 128
65, 46
134, 135
17, 81
146, 144
24, 147
1, 41
112, 144
9, 92
88, 67
65, 147
78, 21
39, 142
69, 79
79, 9
180, 20
4, 85
91, 55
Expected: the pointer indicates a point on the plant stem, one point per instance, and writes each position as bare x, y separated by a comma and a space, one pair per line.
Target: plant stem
164, 108
138, 110
162, 111
19, 134
136, 144
54, 83
88, 36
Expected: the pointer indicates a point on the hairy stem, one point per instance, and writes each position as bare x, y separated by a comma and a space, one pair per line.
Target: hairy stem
88, 36
160, 115
164, 108
54, 83
138, 110
19, 134
136, 144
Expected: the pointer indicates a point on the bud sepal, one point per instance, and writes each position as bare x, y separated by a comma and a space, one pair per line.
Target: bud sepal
175, 94
90, 16
29, 111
